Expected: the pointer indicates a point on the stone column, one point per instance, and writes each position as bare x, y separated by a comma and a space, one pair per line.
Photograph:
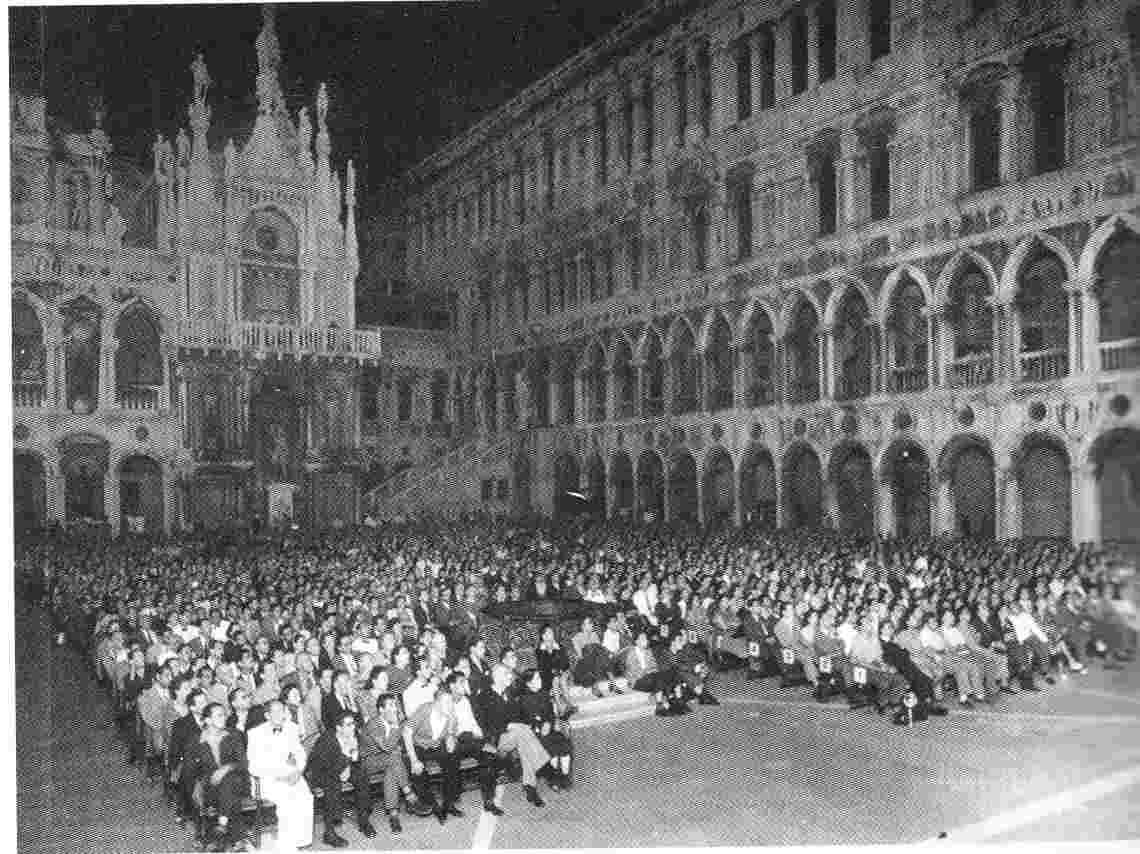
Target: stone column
111, 499
170, 516
700, 499
933, 362
1008, 166
942, 505
1076, 332
849, 154
885, 508
830, 502
55, 494
722, 78
813, 47
107, 348
826, 374
1085, 504
781, 515
1008, 499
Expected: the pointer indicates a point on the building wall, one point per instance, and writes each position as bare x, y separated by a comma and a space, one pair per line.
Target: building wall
649, 247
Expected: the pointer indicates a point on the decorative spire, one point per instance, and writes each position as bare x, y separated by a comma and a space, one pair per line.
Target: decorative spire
199, 110
269, 98
350, 186
305, 139
351, 250
324, 146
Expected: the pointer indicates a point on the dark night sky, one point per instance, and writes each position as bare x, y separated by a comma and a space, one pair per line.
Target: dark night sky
403, 77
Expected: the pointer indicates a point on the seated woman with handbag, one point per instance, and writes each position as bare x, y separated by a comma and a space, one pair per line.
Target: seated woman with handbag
554, 734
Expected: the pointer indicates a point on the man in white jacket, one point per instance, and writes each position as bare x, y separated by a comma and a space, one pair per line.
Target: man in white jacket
277, 760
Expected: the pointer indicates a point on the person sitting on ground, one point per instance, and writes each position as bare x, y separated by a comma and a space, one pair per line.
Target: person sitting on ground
691, 664
643, 674
554, 668
594, 667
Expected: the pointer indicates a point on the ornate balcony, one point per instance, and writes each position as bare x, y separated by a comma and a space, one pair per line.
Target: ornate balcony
972, 371
138, 398
28, 395
852, 388
1122, 355
761, 394
1044, 365
908, 379
800, 391
279, 338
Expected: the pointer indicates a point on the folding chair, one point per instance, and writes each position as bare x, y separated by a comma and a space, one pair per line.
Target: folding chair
791, 670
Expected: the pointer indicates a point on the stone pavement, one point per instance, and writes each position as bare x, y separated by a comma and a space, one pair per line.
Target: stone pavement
767, 767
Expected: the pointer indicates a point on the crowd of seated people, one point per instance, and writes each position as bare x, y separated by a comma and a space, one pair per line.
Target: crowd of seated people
356, 661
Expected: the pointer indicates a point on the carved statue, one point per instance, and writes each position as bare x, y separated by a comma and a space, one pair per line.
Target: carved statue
116, 228
350, 185
304, 131
322, 106
202, 79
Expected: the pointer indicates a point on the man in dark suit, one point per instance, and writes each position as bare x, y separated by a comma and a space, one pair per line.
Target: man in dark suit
183, 733
339, 700
335, 760
479, 680
464, 623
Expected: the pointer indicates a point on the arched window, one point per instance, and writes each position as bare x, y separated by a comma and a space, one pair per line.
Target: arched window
684, 367
78, 201
594, 378
269, 272
906, 338
971, 319
138, 360
853, 347
27, 344
625, 381
719, 367
1117, 286
1043, 312
439, 398
653, 377
803, 355
760, 355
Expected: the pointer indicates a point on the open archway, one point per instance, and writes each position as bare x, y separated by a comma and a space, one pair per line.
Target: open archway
1045, 486
682, 487
29, 493
596, 485
851, 473
802, 488
141, 505
567, 480
758, 489
1117, 458
650, 486
967, 462
621, 478
719, 488
906, 473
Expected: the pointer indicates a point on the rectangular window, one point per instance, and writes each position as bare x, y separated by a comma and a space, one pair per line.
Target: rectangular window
1049, 117
743, 79
825, 16
985, 145
879, 177
826, 190
548, 165
799, 51
608, 271
602, 136
704, 88
634, 252
649, 128
627, 131
742, 201
700, 238
681, 90
766, 47
879, 28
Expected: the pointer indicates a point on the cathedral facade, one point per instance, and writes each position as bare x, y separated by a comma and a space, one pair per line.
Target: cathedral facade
872, 266
185, 343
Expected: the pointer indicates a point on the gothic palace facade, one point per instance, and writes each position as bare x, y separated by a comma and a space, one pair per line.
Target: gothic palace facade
185, 350
873, 265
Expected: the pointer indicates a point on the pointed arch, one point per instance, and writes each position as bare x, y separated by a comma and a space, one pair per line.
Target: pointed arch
759, 490
801, 476
684, 370
622, 484
652, 360
650, 485
841, 288
139, 368
1112, 227
1028, 247
682, 486
1114, 281
963, 259
1044, 479
853, 346
719, 486
680, 331
905, 323
757, 349
720, 365
623, 375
